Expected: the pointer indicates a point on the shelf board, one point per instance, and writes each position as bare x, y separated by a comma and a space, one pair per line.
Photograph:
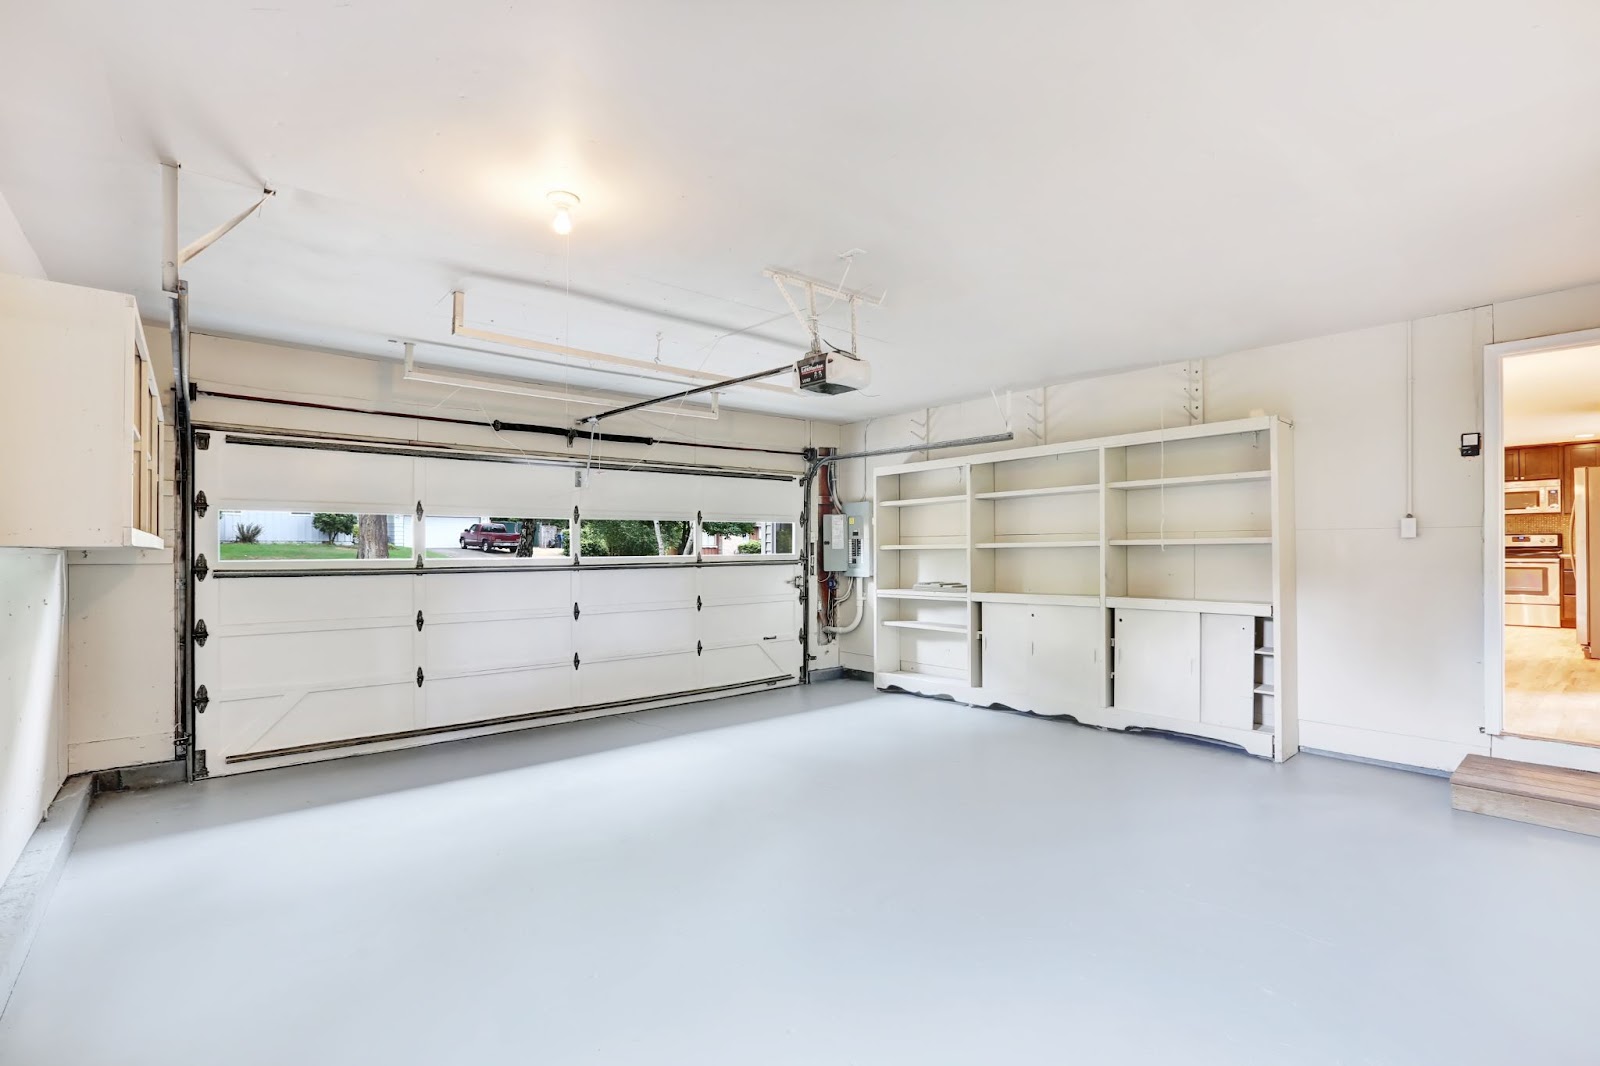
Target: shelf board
1268, 652
962, 546
1170, 542
1265, 690
923, 501
1018, 494
1041, 598
1193, 479
931, 627
1055, 542
1262, 610
920, 594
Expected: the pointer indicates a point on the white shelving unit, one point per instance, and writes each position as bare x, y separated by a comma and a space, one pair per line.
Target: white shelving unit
1156, 591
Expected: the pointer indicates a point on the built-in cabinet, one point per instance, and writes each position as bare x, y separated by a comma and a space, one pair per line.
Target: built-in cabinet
1137, 581
1537, 462
80, 420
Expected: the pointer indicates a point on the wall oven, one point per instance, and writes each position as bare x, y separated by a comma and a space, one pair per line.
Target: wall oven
1533, 497
1533, 579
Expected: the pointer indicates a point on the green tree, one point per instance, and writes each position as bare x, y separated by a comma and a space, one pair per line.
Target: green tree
331, 525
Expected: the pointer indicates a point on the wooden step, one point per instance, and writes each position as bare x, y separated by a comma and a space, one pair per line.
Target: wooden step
1527, 792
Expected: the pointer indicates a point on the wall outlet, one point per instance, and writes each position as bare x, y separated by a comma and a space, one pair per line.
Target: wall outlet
1408, 527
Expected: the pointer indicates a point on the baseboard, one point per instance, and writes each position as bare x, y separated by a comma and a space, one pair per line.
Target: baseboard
1411, 752
840, 673
1408, 767
26, 892
145, 775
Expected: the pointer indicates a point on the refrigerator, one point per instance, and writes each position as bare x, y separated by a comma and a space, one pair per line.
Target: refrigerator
1586, 552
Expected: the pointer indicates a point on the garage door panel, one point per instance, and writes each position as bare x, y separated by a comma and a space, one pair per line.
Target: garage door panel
453, 486
673, 585
639, 678
624, 634
469, 646
747, 622
732, 582
308, 599
495, 593
748, 662
313, 658
300, 717
474, 698
319, 480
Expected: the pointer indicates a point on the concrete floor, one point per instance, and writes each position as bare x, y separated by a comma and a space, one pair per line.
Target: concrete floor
813, 876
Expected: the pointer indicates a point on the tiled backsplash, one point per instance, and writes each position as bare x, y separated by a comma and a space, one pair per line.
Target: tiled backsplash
1541, 523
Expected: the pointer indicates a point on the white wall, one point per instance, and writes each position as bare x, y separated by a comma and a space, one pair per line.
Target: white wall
1390, 629
121, 679
16, 253
33, 753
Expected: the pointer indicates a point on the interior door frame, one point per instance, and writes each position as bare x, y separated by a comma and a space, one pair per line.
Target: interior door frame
1494, 518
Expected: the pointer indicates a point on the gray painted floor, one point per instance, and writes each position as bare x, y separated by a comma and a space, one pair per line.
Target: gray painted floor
820, 876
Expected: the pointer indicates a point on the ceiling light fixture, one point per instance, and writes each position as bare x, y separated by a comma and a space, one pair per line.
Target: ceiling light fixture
564, 202
1583, 436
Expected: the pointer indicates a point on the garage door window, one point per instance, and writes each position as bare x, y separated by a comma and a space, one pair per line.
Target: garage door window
505, 539
745, 538
313, 536
635, 538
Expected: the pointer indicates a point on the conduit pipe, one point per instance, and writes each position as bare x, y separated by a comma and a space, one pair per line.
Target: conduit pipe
861, 612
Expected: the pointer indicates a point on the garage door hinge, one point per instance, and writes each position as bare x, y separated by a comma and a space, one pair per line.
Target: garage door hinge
419, 621
699, 648
180, 741
419, 562
575, 612
201, 503
699, 604
419, 677
201, 632
202, 441
200, 765
201, 568
574, 517
419, 510
202, 700
574, 660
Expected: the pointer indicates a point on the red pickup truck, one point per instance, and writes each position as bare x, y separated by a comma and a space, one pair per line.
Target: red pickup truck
487, 536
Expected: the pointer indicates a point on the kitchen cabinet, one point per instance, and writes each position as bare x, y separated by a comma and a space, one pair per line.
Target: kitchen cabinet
80, 420
1574, 456
1539, 462
1044, 658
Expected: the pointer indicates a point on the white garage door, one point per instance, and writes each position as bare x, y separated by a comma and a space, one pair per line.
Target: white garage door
349, 603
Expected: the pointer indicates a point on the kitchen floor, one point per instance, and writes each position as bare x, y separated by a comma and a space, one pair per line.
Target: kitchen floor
819, 875
1552, 690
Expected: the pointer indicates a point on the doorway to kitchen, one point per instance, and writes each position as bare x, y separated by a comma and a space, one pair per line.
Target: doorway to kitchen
1547, 506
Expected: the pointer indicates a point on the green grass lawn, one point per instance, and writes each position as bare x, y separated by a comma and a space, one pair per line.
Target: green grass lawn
308, 551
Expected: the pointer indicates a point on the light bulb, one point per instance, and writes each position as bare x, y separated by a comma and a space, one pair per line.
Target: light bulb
563, 201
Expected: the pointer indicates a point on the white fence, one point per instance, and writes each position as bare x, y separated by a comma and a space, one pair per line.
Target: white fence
294, 527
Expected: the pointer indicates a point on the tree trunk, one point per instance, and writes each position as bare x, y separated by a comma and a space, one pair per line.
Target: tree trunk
372, 536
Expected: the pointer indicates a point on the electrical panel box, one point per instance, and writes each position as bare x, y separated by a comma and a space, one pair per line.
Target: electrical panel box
846, 541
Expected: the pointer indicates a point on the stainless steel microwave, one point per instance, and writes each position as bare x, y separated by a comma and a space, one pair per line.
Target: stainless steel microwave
1533, 497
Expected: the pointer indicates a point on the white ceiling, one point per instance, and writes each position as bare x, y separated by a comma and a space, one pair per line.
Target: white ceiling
1043, 190
1552, 396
